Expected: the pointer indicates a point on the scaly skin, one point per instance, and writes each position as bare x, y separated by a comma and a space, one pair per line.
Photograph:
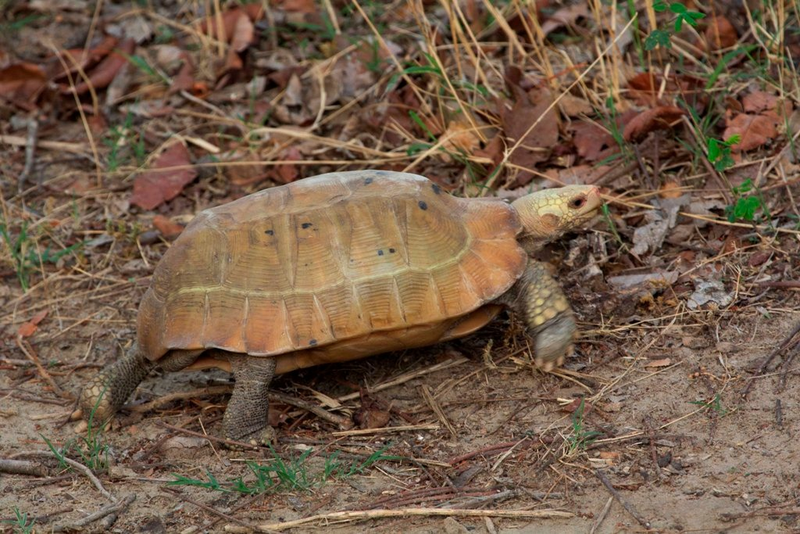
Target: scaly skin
246, 417
537, 297
108, 391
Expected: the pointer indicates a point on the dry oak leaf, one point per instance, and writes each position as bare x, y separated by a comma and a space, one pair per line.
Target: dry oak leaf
594, 142
759, 102
103, 74
720, 33
536, 146
77, 59
755, 130
154, 187
648, 89
22, 83
658, 118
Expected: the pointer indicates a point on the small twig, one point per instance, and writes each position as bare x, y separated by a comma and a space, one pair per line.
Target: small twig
437, 409
72, 463
345, 423
210, 510
485, 499
783, 284
385, 430
761, 368
229, 442
72, 148
625, 504
30, 151
602, 516
113, 508
408, 512
495, 449
779, 414
406, 377
21, 467
26, 348
787, 363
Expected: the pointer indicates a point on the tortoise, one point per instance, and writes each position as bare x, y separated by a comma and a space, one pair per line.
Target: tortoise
338, 267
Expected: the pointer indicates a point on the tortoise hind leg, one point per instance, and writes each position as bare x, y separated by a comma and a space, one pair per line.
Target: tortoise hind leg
246, 417
108, 390
538, 298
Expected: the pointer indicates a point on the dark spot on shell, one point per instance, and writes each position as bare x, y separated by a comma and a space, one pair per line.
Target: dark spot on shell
307, 225
368, 181
391, 251
381, 173
423, 205
380, 253
312, 342
269, 232
436, 188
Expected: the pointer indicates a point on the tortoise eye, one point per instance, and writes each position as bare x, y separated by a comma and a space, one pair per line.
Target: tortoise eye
577, 203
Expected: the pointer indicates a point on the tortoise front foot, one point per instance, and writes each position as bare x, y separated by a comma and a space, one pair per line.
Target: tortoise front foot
550, 321
554, 342
246, 417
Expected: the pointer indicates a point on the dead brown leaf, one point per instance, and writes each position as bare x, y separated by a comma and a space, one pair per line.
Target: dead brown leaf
28, 328
720, 33
663, 362
22, 83
591, 140
537, 144
461, 136
244, 34
154, 187
566, 16
649, 89
226, 31
287, 172
760, 101
103, 74
658, 118
244, 174
573, 106
577, 174
755, 130
81, 59
167, 227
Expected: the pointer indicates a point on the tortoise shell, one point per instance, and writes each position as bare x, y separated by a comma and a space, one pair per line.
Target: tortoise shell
331, 268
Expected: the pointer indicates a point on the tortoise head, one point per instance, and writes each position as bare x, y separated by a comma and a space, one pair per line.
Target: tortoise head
548, 214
